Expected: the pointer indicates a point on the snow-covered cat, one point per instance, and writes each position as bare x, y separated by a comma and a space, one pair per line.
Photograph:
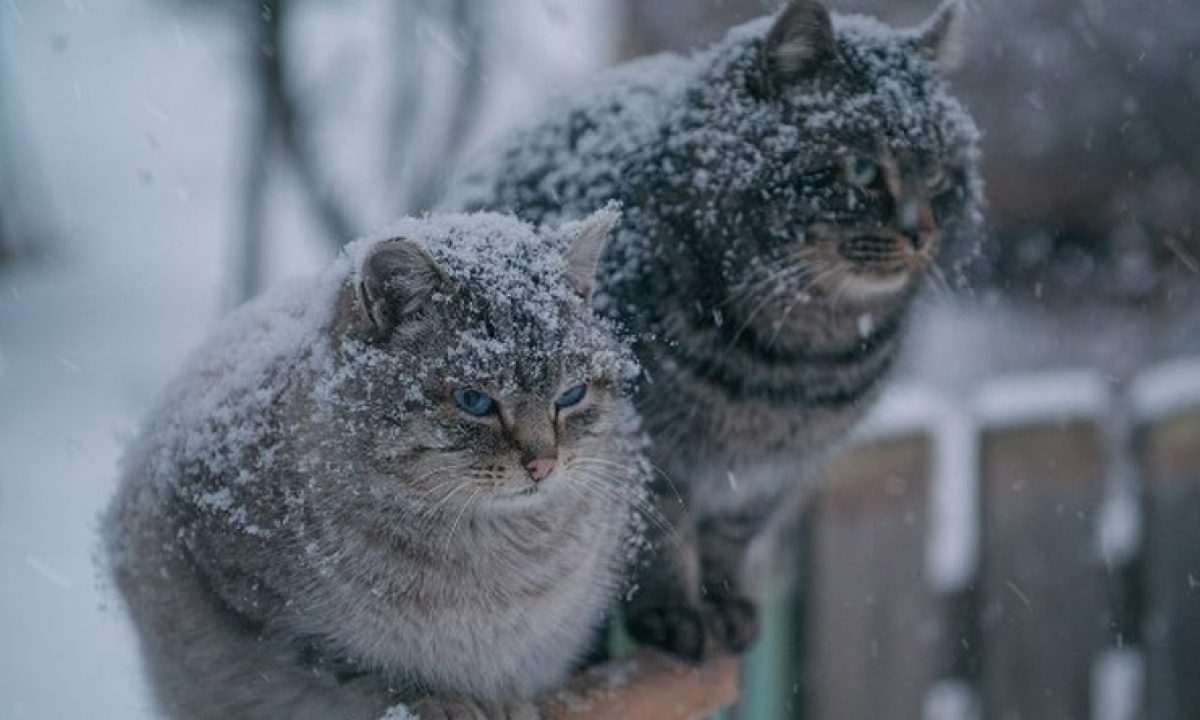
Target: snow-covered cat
413, 481
785, 193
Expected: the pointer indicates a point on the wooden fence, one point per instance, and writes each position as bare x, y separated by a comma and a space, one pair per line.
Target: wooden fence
1031, 552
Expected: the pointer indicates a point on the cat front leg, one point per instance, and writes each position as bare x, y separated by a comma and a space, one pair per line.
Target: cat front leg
663, 610
729, 606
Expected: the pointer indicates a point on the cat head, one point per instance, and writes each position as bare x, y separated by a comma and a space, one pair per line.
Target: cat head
472, 369
864, 165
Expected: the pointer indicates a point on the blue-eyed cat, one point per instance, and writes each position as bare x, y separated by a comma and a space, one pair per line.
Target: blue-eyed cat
413, 481
785, 193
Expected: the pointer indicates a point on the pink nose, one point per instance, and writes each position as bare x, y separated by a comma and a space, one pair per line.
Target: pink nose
538, 469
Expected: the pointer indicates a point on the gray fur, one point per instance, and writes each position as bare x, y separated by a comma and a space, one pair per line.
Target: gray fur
767, 291
308, 527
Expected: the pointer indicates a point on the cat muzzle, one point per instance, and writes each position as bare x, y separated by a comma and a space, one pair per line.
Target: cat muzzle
539, 469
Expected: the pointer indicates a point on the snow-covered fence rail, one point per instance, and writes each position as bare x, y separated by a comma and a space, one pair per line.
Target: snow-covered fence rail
1030, 551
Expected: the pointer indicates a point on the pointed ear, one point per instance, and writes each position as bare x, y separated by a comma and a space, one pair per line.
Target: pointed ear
799, 42
395, 278
939, 38
586, 241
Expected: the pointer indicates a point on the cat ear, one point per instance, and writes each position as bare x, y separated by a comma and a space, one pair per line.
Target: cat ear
799, 42
939, 38
395, 278
586, 241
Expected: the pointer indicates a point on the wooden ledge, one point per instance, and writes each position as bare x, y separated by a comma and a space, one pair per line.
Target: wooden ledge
647, 685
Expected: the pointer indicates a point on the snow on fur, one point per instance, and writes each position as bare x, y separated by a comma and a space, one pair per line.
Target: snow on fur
692, 149
222, 410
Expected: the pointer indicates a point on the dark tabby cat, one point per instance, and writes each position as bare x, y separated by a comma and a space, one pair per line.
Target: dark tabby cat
412, 482
785, 192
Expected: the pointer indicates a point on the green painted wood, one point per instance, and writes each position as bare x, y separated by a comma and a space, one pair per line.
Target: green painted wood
766, 670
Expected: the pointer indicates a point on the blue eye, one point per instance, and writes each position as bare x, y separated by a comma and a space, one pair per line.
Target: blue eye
571, 396
860, 171
474, 402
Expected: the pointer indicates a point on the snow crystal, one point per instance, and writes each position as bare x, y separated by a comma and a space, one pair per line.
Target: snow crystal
398, 712
47, 571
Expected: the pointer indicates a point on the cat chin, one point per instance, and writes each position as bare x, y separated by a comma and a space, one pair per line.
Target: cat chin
528, 497
874, 287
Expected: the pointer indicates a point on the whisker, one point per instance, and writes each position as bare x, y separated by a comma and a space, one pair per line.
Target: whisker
658, 470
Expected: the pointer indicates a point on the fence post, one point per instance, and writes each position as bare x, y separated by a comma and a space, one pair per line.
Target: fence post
1044, 612
1167, 403
870, 630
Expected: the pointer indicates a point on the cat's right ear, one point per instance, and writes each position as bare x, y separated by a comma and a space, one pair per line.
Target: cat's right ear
586, 241
395, 278
799, 43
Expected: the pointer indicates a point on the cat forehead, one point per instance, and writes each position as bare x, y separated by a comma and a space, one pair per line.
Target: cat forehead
528, 359
882, 95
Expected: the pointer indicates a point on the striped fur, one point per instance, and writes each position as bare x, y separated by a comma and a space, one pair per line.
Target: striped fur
765, 268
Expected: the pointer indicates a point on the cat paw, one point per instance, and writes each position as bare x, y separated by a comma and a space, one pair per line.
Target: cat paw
722, 624
677, 629
732, 621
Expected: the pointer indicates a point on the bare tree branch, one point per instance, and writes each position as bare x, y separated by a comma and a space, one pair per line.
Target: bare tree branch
262, 146
24, 213
407, 98
284, 113
427, 184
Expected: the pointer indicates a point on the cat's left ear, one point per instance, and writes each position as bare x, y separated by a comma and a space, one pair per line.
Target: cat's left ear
395, 278
939, 38
800, 42
586, 241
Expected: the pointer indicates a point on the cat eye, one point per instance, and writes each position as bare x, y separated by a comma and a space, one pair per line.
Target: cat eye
571, 396
938, 182
474, 402
860, 171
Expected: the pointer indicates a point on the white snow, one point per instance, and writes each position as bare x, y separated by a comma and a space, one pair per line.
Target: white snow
1050, 396
953, 542
1166, 389
950, 699
1119, 526
903, 408
952, 538
1118, 684
398, 712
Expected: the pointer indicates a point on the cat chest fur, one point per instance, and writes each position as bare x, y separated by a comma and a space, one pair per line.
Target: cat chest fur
419, 621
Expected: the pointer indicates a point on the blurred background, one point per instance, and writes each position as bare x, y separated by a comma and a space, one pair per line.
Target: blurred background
1017, 531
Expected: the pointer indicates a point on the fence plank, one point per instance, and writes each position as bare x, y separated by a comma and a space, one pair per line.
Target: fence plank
871, 631
1171, 454
1044, 616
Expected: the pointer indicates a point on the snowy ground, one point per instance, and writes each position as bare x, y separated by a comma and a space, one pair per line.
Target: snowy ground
133, 156
135, 116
